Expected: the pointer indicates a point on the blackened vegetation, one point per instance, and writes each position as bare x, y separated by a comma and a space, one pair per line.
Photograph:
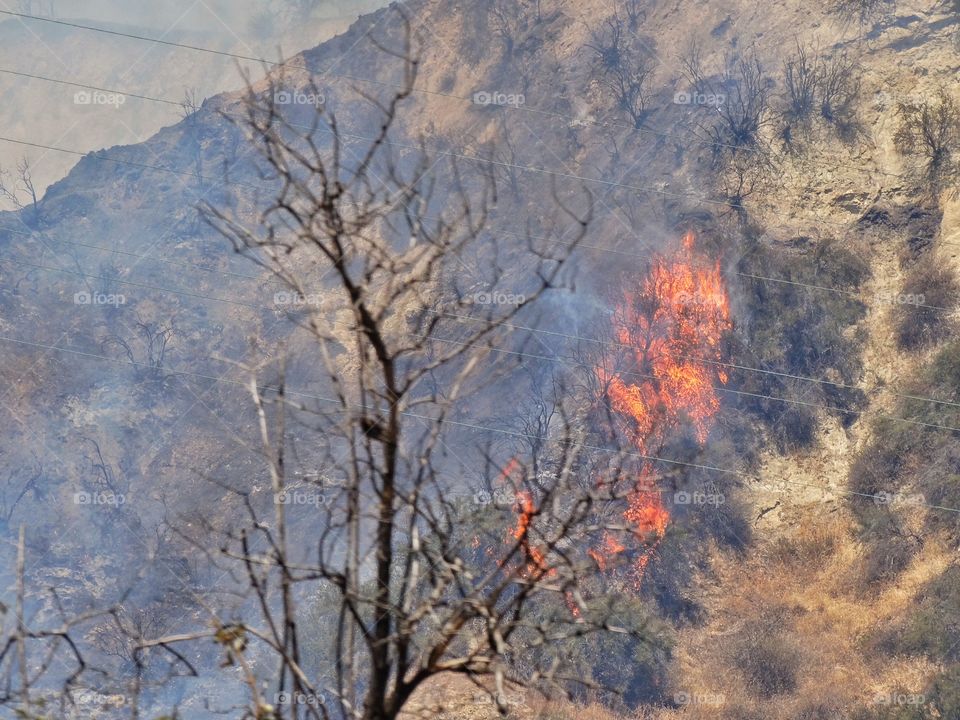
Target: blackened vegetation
819, 86
623, 64
863, 12
917, 223
738, 97
929, 135
792, 327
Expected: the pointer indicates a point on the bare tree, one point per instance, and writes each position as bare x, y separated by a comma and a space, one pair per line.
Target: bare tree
817, 85
863, 11
801, 76
839, 91
401, 345
418, 574
739, 101
624, 67
929, 133
635, 11
15, 187
147, 350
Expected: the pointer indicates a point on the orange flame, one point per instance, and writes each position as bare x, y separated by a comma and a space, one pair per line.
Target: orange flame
673, 326
534, 555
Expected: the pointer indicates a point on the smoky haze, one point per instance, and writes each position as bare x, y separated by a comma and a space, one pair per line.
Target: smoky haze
266, 28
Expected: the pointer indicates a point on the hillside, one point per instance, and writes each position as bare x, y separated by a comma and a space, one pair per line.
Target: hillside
823, 583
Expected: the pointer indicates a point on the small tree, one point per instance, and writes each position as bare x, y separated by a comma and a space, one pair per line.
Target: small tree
20, 190
741, 99
802, 74
423, 583
929, 133
624, 67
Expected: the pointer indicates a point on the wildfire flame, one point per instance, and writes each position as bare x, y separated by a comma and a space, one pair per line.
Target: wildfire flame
673, 326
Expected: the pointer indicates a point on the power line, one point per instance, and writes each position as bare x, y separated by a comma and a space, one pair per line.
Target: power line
455, 423
516, 108
501, 350
100, 155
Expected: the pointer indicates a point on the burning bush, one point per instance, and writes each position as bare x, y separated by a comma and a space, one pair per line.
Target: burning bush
669, 333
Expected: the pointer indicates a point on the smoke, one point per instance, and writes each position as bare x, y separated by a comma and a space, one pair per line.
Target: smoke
45, 113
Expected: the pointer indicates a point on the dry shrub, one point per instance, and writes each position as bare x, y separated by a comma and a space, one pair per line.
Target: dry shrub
932, 292
768, 659
808, 546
